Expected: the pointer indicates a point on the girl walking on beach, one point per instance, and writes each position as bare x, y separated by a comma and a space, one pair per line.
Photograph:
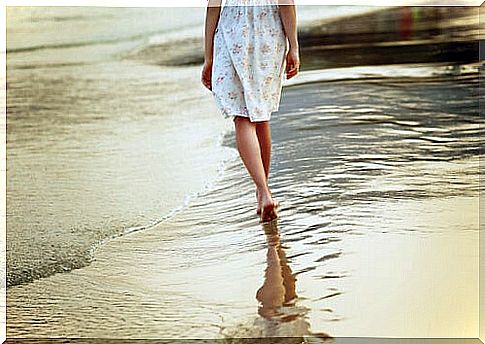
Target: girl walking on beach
248, 47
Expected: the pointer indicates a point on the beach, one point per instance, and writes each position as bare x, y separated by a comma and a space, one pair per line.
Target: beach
133, 217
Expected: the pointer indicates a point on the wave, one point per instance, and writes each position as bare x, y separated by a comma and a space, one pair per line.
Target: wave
83, 258
401, 71
65, 45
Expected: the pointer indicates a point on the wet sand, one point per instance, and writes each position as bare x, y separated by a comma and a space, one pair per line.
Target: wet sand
377, 237
377, 233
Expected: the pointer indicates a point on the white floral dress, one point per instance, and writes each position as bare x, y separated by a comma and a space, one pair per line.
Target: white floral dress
249, 59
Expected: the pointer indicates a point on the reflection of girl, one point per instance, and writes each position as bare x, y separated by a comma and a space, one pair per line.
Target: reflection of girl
280, 316
279, 284
246, 49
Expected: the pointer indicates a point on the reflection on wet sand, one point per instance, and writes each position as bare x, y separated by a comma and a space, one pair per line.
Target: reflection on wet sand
278, 289
280, 314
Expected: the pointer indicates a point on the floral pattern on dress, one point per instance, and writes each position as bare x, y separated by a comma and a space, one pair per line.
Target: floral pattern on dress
249, 59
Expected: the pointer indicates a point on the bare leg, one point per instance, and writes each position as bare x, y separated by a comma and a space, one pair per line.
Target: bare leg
250, 151
264, 137
263, 131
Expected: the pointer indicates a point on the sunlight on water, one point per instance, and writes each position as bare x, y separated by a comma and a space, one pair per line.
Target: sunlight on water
364, 224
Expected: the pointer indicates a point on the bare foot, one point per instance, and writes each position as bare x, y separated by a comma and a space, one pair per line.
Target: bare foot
258, 210
267, 205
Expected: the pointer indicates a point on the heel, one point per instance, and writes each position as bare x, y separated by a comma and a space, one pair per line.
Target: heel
268, 213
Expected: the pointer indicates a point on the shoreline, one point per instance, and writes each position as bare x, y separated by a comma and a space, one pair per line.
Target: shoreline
314, 74
27, 276
344, 227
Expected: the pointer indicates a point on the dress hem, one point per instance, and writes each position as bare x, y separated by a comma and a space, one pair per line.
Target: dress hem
252, 120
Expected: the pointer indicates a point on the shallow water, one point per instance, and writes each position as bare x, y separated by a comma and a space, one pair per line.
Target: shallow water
84, 166
101, 139
377, 236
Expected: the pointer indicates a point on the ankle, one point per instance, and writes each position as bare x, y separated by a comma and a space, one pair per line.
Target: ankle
263, 191
262, 187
